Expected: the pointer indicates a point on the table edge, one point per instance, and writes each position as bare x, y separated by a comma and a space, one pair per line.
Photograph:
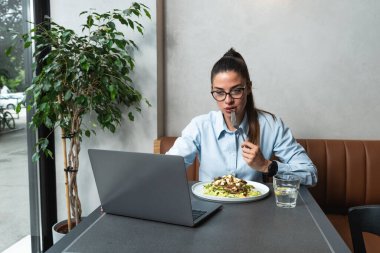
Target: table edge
328, 231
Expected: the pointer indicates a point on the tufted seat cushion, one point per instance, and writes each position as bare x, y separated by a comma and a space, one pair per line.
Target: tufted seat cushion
348, 173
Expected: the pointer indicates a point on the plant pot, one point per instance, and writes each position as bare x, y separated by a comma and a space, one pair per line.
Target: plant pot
60, 229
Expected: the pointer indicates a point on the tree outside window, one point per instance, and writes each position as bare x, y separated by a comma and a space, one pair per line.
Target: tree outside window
11, 68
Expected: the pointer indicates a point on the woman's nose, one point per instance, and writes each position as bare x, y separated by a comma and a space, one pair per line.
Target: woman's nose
229, 99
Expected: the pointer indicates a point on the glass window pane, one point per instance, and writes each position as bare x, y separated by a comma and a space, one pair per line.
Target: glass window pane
14, 180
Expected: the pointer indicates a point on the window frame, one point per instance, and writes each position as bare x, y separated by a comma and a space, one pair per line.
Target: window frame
42, 175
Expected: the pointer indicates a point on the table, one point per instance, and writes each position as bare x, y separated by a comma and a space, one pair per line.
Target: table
257, 226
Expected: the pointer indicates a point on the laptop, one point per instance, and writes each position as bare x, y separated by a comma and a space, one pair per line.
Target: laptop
147, 186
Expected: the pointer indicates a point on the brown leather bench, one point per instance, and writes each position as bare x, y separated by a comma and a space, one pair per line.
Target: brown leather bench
348, 175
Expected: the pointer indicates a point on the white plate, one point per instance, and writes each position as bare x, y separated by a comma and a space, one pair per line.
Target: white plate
198, 191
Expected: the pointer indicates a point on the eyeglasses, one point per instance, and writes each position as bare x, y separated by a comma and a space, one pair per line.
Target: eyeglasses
220, 95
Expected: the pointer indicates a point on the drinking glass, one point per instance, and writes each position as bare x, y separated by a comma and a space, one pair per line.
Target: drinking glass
286, 190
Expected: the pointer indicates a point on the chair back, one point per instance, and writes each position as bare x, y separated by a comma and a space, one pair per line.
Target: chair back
363, 219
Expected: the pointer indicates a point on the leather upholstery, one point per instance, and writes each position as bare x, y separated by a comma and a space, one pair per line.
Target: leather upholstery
163, 144
348, 175
348, 172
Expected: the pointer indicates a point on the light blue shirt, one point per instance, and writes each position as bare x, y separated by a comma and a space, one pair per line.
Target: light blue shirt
219, 150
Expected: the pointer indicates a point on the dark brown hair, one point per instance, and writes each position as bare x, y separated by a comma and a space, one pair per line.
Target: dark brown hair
233, 61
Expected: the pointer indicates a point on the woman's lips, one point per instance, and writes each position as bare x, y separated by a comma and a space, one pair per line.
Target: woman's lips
229, 109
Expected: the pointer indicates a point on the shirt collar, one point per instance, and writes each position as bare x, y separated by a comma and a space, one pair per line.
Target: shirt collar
221, 127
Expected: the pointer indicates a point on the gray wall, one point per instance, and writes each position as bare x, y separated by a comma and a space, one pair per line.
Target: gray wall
313, 63
131, 136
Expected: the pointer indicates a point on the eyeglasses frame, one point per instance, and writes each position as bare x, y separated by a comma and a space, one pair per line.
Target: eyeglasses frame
228, 93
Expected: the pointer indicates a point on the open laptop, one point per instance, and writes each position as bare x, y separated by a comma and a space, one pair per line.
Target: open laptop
147, 186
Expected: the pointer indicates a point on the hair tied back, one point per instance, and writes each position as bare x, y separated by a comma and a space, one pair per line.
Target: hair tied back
232, 53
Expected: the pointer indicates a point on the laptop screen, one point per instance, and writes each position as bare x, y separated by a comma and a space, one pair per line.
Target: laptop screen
142, 185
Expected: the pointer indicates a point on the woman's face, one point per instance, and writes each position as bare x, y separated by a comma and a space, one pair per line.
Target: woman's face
227, 82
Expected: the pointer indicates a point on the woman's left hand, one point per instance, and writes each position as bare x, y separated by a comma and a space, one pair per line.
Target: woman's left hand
253, 157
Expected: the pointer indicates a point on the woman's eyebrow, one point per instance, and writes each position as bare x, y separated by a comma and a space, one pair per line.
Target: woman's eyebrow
233, 87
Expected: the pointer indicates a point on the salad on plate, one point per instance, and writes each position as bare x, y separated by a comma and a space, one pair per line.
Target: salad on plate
230, 187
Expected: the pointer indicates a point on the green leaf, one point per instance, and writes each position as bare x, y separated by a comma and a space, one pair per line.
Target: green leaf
46, 87
112, 128
110, 43
105, 15
122, 20
26, 36
118, 63
48, 122
42, 106
112, 91
87, 133
131, 24
147, 13
68, 95
90, 21
147, 102
36, 157
49, 153
134, 44
120, 43
18, 108
127, 78
136, 12
82, 100
27, 44
131, 63
66, 36
8, 51
131, 117
43, 143
111, 25
136, 5
86, 66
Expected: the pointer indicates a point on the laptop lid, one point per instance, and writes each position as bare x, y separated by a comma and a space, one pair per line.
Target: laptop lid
145, 186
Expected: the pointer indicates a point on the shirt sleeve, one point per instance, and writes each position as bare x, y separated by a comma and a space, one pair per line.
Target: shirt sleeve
292, 157
187, 145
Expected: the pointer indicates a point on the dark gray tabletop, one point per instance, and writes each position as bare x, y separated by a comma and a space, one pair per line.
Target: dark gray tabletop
257, 226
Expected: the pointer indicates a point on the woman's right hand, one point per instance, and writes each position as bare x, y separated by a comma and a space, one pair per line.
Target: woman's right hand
253, 157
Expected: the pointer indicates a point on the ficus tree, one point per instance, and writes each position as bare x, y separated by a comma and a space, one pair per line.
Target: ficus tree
83, 73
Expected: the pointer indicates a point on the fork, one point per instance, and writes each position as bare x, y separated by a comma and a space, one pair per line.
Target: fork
236, 125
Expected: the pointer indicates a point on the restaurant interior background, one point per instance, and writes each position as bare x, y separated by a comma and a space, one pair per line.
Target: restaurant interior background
312, 63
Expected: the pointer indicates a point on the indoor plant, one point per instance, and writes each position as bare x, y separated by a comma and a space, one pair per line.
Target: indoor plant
80, 74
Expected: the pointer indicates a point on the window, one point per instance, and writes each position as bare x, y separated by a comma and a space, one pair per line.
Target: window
27, 190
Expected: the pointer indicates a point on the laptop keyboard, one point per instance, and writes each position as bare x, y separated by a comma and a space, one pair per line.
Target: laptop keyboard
197, 214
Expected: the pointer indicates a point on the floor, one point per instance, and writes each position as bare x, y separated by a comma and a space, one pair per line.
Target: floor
14, 188
24, 246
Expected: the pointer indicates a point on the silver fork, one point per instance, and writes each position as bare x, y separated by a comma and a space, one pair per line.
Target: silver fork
236, 125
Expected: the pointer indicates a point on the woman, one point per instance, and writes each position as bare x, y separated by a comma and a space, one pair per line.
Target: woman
240, 139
